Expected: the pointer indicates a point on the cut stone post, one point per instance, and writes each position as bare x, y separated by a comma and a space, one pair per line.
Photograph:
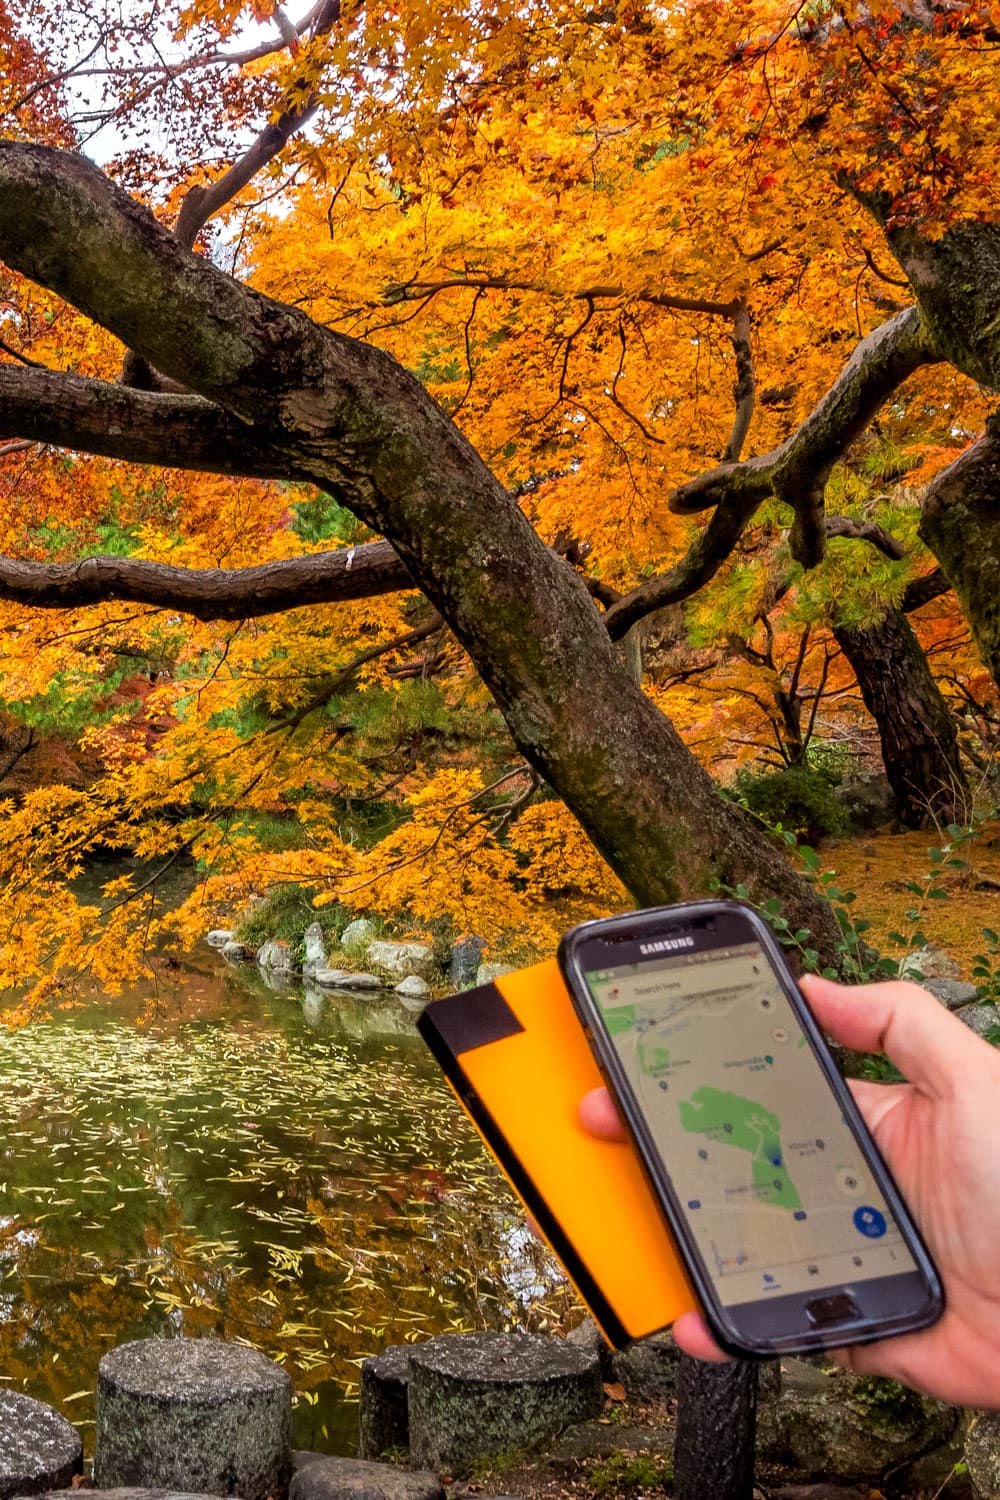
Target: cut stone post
384, 1420
716, 1422
196, 1415
475, 1397
39, 1450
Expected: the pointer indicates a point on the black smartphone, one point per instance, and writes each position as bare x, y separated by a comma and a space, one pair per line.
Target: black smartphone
790, 1226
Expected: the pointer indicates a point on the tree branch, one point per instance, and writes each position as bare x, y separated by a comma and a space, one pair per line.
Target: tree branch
201, 203
177, 432
418, 291
797, 471
743, 390
65, 225
209, 593
711, 548
920, 591
701, 562
865, 531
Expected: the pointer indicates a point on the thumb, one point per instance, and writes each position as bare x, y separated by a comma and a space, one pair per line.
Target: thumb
929, 1046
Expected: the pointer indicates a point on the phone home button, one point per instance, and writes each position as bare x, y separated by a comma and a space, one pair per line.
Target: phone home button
840, 1308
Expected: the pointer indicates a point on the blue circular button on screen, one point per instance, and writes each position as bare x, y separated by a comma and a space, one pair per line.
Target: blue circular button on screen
869, 1222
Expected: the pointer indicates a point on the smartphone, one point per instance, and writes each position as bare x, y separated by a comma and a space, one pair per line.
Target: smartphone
792, 1232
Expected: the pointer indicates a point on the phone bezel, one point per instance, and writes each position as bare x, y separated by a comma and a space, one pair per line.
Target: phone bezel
889, 1305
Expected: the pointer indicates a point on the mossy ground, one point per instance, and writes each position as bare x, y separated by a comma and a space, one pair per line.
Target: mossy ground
879, 867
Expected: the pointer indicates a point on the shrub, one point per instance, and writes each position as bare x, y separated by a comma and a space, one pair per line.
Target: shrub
285, 912
798, 798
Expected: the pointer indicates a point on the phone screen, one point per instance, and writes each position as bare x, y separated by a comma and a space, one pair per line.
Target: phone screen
768, 1174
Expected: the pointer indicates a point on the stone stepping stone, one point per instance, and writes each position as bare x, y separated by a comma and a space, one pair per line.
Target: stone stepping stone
129, 1494
477, 1397
384, 1418
39, 1449
647, 1368
354, 1479
824, 1428
197, 1415
347, 979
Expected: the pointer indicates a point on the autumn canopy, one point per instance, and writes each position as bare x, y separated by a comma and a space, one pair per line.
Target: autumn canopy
437, 442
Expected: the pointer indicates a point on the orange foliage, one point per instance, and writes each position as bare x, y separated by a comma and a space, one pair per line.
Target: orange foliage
553, 217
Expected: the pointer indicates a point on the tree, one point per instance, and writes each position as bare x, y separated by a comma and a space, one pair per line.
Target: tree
709, 117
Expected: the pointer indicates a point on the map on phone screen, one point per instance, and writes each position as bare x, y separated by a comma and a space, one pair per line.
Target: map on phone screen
765, 1167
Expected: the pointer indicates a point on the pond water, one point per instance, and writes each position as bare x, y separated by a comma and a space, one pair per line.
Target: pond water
217, 1159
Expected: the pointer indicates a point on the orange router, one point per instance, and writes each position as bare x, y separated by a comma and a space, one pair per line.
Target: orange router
516, 1055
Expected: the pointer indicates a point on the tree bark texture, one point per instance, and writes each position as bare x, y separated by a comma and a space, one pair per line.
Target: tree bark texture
348, 418
917, 732
960, 522
716, 1428
956, 280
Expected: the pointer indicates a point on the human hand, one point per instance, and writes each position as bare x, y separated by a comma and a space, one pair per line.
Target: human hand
939, 1133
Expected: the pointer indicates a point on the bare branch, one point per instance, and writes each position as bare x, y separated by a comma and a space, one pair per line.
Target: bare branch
201, 203
920, 591
53, 79
743, 390
865, 531
882, 275
419, 291
336, 682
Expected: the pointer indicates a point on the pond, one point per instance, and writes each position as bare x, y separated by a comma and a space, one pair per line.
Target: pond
217, 1159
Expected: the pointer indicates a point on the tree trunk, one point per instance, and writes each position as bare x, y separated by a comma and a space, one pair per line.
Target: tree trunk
960, 522
956, 280
348, 418
716, 1428
918, 734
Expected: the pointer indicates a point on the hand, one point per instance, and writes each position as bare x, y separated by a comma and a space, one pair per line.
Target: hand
940, 1135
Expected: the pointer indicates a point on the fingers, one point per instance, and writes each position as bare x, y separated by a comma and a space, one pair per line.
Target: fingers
691, 1334
929, 1046
599, 1117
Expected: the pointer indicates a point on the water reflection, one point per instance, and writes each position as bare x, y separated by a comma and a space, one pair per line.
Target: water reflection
221, 1159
